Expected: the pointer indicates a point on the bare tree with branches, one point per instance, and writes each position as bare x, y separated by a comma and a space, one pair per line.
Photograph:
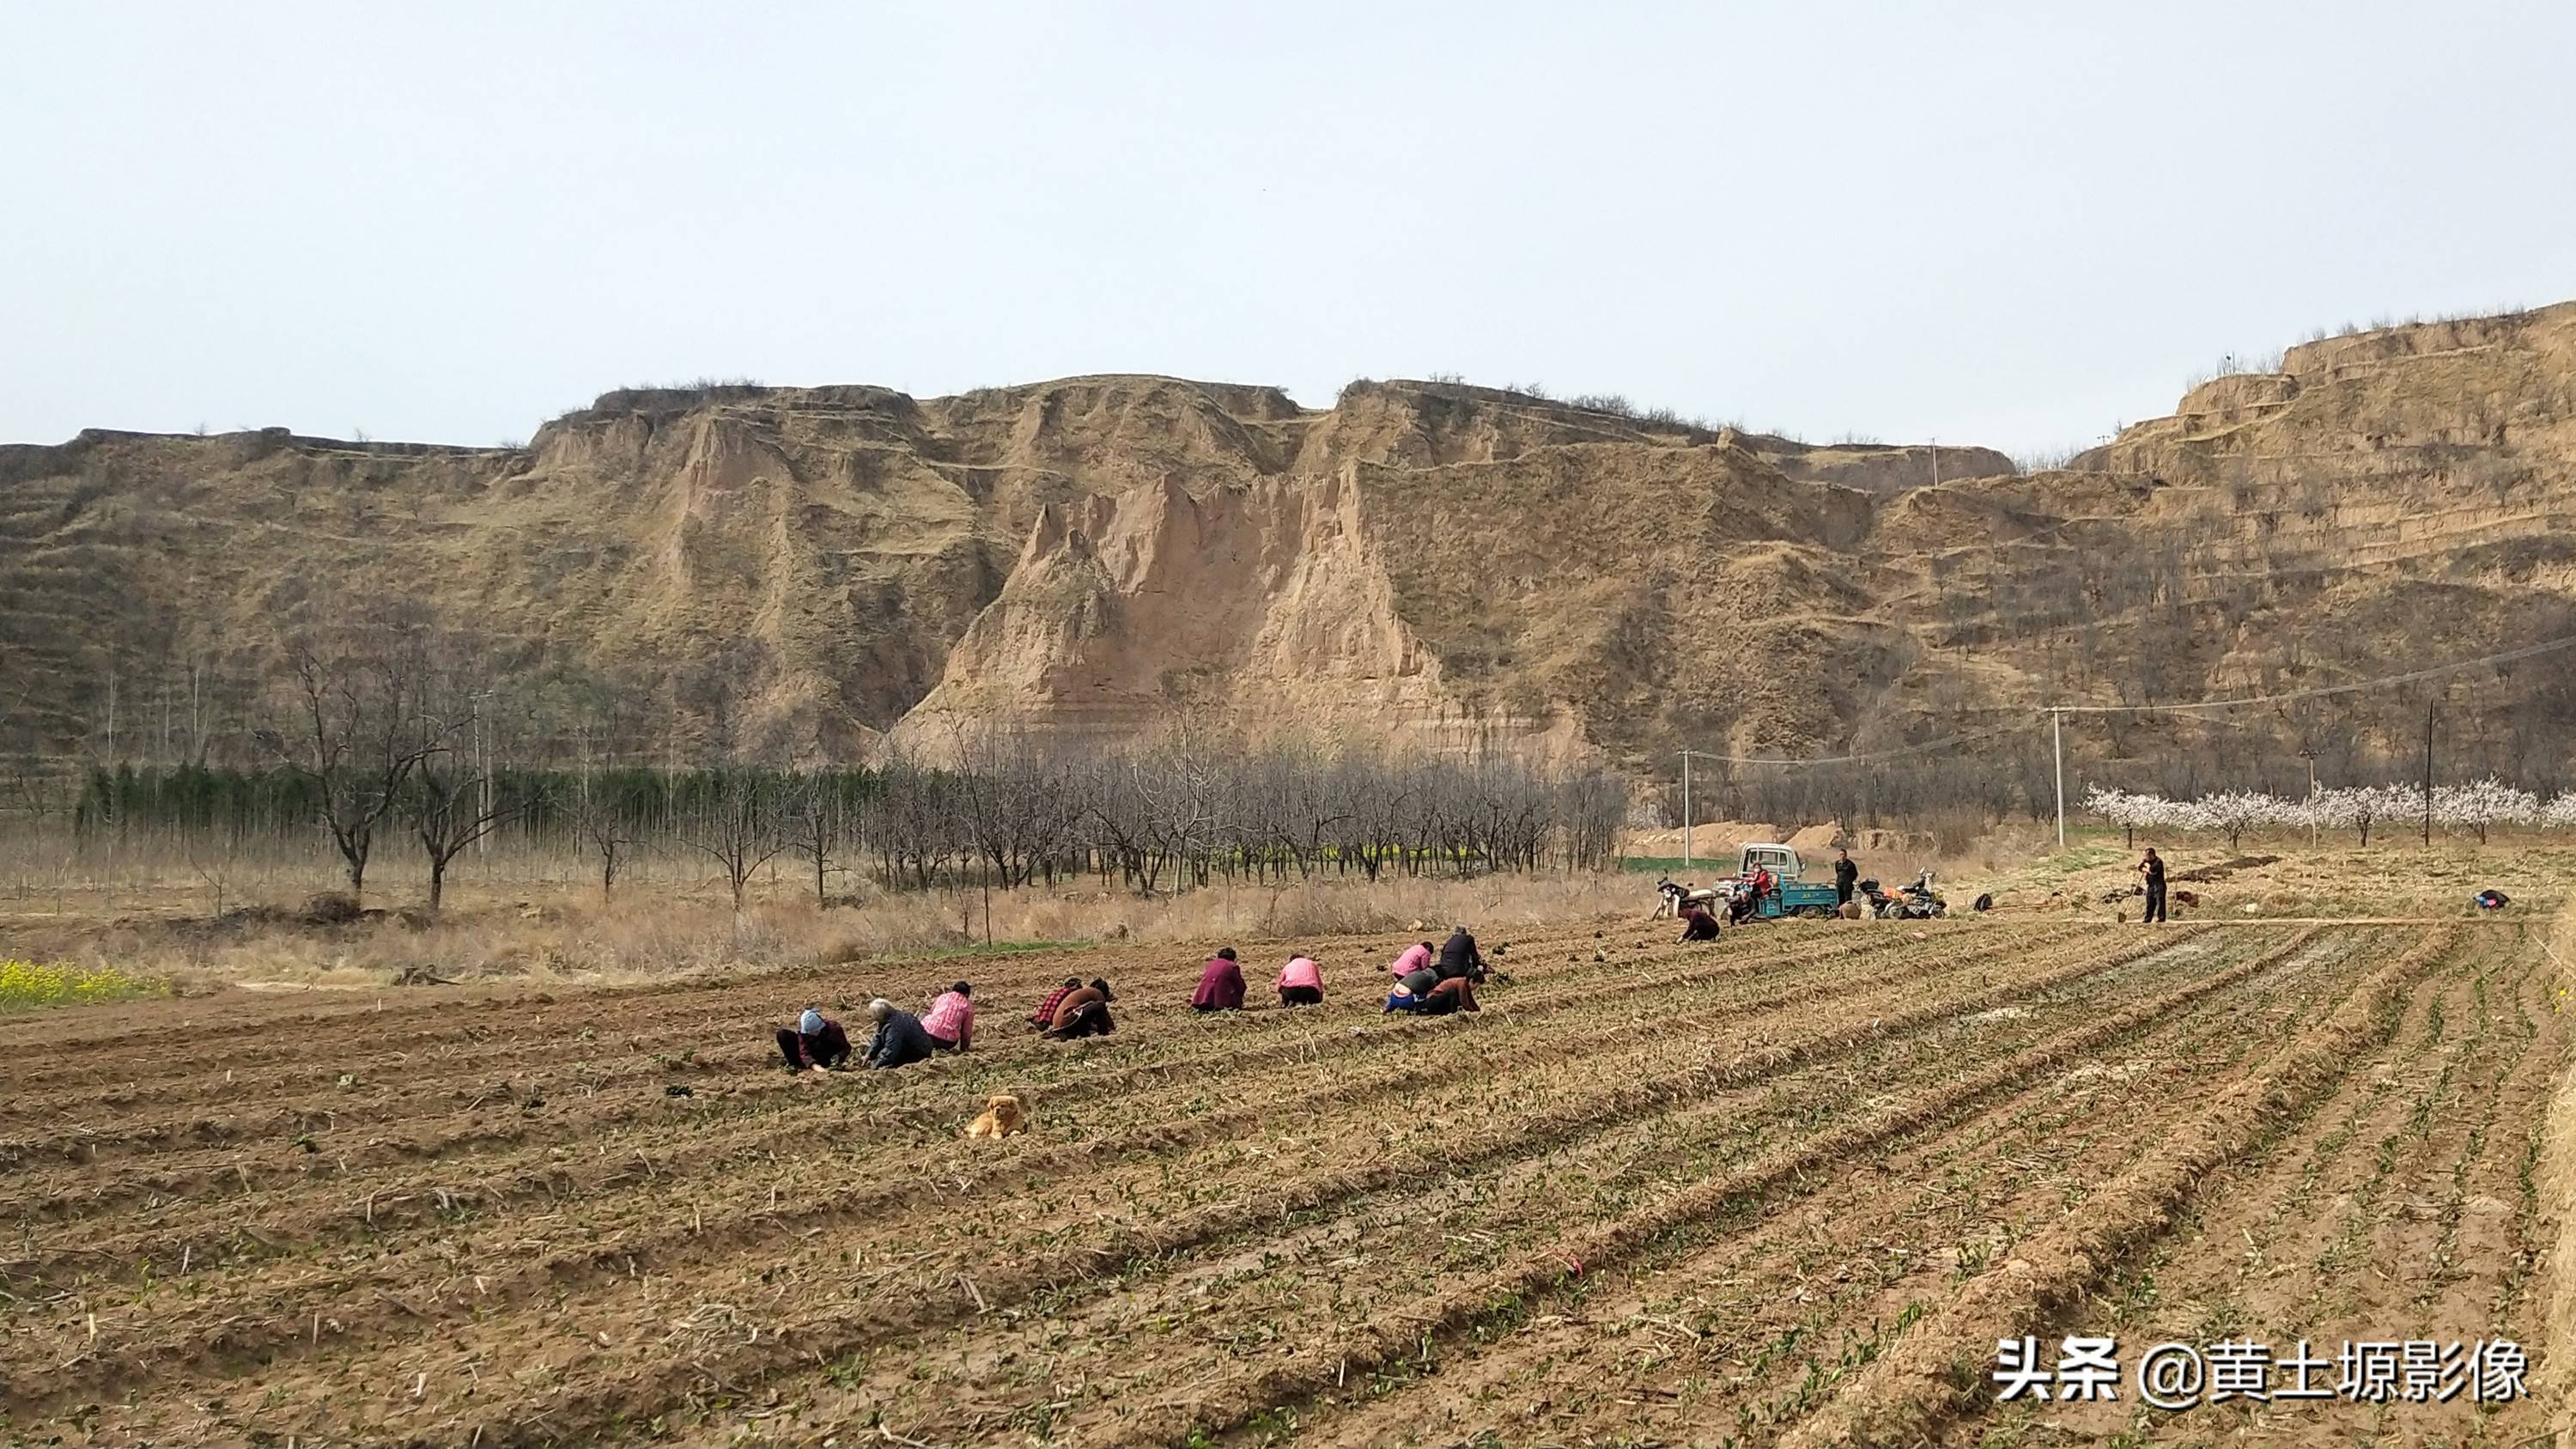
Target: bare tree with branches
352, 725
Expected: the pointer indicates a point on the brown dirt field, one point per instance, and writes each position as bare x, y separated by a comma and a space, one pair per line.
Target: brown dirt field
1788, 1188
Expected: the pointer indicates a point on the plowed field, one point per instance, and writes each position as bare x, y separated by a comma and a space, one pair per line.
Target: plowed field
1790, 1188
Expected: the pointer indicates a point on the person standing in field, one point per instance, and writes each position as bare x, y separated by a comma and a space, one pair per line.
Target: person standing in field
1084, 1011
1220, 984
951, 1022
900, 1041
2153, 868
1301, 982
1414, 958
1845, 873
1044, 1017
816, 1041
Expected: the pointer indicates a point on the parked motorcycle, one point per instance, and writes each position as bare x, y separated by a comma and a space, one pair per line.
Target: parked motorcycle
1677, 898
1916, 902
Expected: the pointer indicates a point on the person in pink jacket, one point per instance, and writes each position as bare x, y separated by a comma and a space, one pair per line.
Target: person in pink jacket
1301, 982
1413, 959
951, 1019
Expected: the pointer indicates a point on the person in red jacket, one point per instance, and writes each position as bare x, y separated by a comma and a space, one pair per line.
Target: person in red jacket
1220, 984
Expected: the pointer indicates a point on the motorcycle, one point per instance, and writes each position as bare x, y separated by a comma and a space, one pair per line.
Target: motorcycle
1916, 902
1678, 898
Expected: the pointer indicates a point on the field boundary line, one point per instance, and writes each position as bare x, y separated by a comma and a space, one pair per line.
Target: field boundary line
1919, 1382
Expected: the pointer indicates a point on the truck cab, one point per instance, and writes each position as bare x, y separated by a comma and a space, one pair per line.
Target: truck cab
1780, 860
1792, 894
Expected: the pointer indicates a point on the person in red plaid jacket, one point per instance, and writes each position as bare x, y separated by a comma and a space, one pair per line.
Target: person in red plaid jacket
1044, 1016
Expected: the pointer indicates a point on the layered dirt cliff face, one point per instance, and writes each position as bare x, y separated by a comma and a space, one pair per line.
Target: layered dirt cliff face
804, 570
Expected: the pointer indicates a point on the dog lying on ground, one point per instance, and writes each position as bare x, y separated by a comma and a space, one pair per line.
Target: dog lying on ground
1003, 1115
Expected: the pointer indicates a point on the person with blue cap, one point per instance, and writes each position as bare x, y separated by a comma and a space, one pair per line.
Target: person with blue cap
815, 1042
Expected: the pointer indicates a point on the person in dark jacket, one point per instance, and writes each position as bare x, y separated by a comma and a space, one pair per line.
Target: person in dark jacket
1084, 1011
2153, 869
1459, 956
1698, 923
1220, 984
1845, 874
900, 1040
816, 1041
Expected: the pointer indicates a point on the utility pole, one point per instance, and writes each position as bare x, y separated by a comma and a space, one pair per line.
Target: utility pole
1936, 477
1686, 815
2057, 739
2428, 772
2311, 757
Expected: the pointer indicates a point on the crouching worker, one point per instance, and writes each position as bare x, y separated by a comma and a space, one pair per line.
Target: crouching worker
1083, 1012
1220, 984
1044, 1017
1698, 923
1301, 982
1439, 998
900, 1041
816, 1041
951, 1021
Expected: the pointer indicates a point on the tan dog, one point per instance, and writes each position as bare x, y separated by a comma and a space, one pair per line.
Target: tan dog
1003, 1115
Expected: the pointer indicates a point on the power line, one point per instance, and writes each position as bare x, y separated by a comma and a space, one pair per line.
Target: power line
2508, 656
1902, 750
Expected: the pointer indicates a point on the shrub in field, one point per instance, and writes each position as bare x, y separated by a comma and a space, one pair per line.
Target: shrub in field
25, 984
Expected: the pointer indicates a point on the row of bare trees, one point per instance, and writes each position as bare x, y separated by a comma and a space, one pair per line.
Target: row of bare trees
388, 727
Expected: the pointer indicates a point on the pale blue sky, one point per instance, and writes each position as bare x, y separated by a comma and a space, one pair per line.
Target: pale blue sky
2006, 224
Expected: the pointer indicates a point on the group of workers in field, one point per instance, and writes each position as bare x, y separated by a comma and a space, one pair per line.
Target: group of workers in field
1425, 983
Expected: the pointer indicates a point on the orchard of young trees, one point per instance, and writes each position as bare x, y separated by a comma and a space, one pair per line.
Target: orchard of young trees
2479, 807
390, 737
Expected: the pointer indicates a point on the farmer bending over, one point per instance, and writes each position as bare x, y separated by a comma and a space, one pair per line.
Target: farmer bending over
900, 1041
1044, 1017
951, 1022
1083, 1012
1415, 957
1301, 982
1459, 956
1698, 924
815, 1041
1220, 984
1439, 998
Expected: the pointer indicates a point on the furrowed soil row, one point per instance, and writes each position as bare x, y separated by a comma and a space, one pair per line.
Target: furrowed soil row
1725, 1329
2408, 1212
1906, 1392
1389, 1338
834, 1335
386, 1178
668, 1248
417, 1018
1284, 1301
415, 1086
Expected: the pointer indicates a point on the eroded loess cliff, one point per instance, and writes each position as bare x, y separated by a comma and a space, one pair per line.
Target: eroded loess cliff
808, 569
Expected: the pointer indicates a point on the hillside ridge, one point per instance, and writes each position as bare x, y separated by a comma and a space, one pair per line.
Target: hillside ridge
817, 570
